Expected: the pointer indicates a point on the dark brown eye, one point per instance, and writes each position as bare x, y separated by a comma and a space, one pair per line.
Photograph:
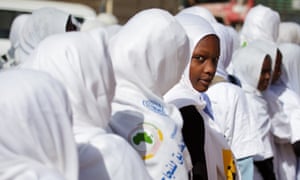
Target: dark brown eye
199, 58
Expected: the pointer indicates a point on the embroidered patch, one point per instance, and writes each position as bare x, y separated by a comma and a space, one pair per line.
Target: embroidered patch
146, 139
154, 106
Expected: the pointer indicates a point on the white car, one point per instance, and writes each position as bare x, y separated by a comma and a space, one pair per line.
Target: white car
9, 9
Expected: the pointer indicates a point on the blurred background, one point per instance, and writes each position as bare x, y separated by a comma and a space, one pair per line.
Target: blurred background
230, 11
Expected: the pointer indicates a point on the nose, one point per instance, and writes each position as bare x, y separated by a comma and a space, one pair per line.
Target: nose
210, 67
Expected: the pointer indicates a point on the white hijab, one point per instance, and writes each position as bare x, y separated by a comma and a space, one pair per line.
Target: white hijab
289, 32
41, 23
149, 54
16, 33
183, 93
199, 11
261, 23
290, 70
36, 139
81, 62
226, 46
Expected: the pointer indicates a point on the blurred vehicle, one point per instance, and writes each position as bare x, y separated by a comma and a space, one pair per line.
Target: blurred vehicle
230, 12
9, 9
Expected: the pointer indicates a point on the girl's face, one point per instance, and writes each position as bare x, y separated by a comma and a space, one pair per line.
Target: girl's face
204, 62
265, 74
277, 70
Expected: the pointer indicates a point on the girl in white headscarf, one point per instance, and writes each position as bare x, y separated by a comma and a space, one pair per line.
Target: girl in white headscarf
40, 24
284, 158
36, 139
261, 23
149, 54
233, 119
81, 62
209, 151
253, 68
14, 38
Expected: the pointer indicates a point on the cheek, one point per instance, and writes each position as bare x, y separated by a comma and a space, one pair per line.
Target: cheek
194, 71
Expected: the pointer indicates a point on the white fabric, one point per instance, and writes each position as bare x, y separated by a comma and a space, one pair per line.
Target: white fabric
262, 23
149, 54
16, 33
200, 11
81, 62
290, 70
90, 24
247, 63
284, 158
183, 94
107, 19
231, 114
43, 22
289, 32
36, 139
226, 46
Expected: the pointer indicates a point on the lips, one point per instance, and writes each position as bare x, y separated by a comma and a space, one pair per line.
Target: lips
205, 82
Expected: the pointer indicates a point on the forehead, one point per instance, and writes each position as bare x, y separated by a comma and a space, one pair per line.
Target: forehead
209, 43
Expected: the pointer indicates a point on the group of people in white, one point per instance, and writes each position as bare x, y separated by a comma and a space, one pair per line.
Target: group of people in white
161, 97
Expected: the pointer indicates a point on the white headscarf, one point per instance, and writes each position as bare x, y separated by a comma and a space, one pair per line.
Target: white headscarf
290, 70
81, 62
42, 23
289, 32
269, 47
85, 71
149, 54
261, 23
199, 11
226, 46
247, 63
196, 29
16, 33
36, 139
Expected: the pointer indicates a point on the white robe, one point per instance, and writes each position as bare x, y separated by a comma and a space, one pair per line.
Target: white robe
80, 61
36, 139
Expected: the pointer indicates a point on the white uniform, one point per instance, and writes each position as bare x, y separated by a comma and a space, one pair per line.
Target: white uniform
149, 53
80, 61
36, 139
217, 152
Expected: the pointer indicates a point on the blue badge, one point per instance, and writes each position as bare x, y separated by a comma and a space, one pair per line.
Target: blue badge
154, 106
